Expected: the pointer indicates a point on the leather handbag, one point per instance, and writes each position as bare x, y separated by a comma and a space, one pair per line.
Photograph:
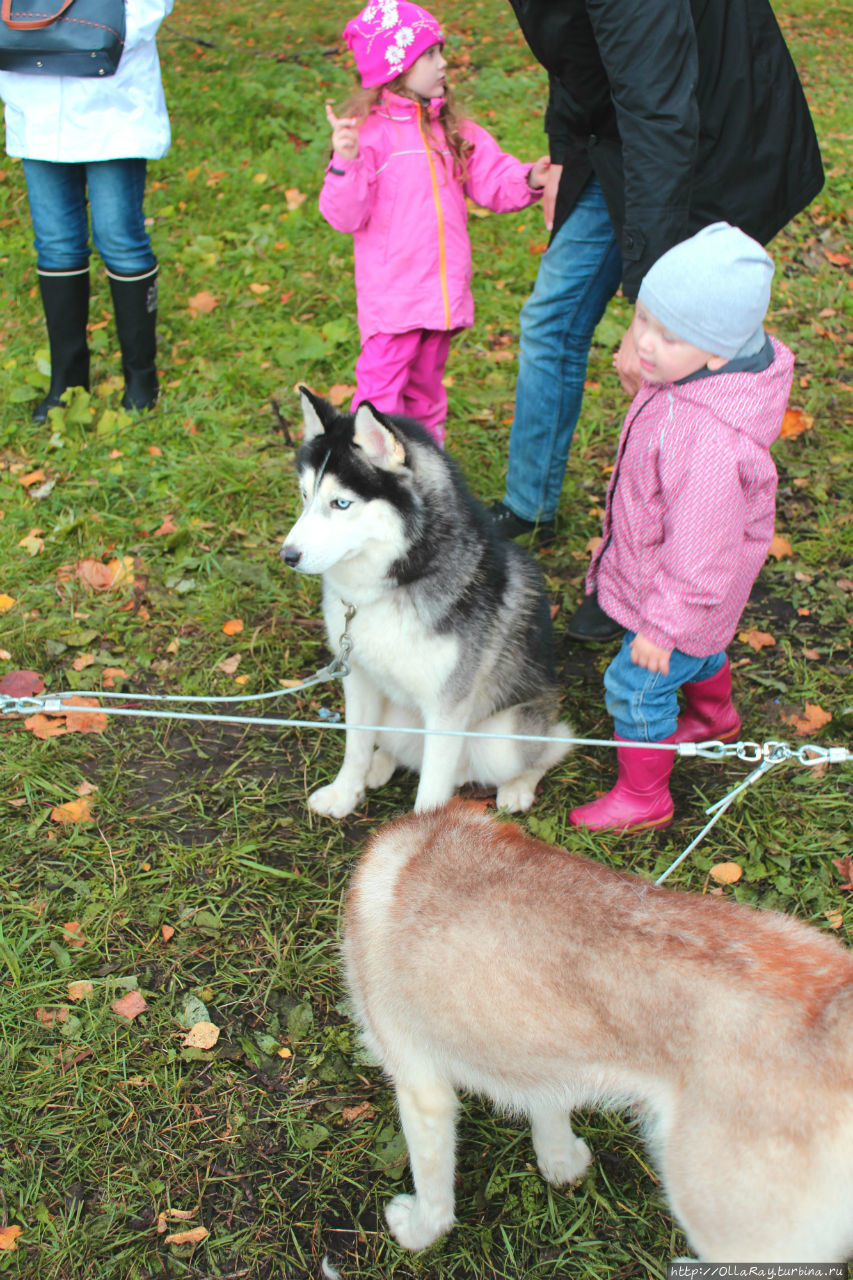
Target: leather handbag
56, 38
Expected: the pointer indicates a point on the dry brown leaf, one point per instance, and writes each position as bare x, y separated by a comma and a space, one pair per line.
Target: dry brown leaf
593, 544
50, 1017
232, 627
293, 198
193, 1236
756, 639
259, 289
173, 1215
84, 720
111, 674
230, 665
9, 1238
340, 392
779, 547
794, 423
202, 1035
72, 934
73, 811
813, 718
202, 303
356, 1113
835, 918
82, 661
129, 1006
726, 873
79, 990
168, 526
166, 932
31, 478
844, 867
42, 726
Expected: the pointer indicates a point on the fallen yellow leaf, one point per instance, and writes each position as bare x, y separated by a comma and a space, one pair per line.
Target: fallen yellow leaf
202, 1035
756, 639
73, 811
193, 1236
9, 1238
779, 547
232, 627
726, 873
813, 718
6, 602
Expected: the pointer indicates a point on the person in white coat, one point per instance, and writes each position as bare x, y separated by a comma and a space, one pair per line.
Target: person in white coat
80, 136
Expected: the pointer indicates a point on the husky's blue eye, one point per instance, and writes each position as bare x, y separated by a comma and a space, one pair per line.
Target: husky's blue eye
340, 504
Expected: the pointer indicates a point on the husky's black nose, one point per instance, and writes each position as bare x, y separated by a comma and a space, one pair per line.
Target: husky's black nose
290, 555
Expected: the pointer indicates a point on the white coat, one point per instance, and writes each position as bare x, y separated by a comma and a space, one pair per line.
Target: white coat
83, 118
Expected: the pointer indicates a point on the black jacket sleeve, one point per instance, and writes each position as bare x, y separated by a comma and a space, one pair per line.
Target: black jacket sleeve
648, 51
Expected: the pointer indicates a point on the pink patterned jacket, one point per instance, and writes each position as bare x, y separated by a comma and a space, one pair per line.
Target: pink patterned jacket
408, 217
691, 505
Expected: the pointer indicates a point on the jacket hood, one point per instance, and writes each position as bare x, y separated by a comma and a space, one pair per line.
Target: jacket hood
750, 402
401, 105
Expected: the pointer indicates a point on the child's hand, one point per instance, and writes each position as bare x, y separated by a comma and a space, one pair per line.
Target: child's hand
626, 362
645, 653
538, 173
344, 134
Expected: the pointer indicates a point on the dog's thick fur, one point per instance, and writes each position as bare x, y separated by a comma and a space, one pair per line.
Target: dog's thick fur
479, 958
452, 629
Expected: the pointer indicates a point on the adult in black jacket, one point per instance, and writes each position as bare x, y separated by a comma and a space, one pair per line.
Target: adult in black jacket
663, 116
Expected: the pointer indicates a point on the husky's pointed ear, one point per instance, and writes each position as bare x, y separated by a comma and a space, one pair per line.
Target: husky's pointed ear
381, 446
317, 414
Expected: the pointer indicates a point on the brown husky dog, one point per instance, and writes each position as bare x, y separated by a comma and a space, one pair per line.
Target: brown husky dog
479, 958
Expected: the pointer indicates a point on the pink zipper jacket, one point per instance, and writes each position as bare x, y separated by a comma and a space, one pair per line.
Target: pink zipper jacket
408, 218
691, 506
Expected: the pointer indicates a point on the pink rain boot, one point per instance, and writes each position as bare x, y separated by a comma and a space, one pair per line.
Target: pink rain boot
640, 799
709, 713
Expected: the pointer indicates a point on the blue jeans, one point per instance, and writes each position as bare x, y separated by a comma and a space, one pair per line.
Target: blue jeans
644, 704
57, 196
579, 273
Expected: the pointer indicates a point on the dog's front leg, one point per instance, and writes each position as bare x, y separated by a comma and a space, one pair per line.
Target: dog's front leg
428, 1114
440, 763
363, 702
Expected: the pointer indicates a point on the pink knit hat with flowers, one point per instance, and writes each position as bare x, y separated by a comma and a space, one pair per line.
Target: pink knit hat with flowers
387, 37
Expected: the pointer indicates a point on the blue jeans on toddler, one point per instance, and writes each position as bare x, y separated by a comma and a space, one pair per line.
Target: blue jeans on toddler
116, 190
644, 704
578, 274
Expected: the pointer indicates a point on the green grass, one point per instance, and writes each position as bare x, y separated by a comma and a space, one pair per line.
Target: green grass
287, 1157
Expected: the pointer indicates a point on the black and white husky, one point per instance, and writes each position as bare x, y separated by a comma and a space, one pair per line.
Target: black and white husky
452, 629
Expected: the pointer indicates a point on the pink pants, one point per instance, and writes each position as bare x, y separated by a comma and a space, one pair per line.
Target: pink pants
402, 372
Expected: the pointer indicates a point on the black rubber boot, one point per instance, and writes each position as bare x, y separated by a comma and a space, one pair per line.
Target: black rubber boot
135, 305
65, 299
591, 624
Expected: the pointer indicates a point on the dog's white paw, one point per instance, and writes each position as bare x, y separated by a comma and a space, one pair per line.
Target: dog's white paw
561, 1166
517, 795
334, 801
381, 768
410, 1227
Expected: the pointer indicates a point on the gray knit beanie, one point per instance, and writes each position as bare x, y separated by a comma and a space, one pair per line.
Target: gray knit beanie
711, 290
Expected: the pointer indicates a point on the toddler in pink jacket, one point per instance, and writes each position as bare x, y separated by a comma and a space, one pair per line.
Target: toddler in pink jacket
402, 165
690, 509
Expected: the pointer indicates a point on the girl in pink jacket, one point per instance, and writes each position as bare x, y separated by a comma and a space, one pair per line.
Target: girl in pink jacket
402, 165
690, 509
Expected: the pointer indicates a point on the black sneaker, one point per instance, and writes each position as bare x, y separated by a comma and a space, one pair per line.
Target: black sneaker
591, 624
513, 526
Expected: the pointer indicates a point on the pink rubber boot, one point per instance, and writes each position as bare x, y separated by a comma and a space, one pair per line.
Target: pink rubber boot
709, 713
640, 799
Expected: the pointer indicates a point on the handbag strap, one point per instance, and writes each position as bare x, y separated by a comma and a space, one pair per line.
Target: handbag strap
34, 23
